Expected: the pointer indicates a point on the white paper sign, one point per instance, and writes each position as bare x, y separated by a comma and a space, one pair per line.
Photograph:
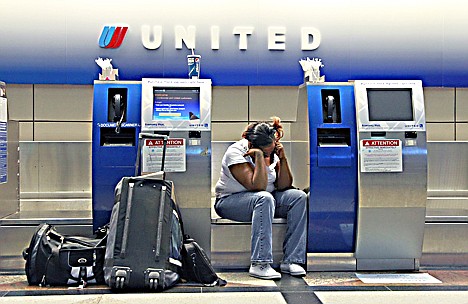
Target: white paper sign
381, 155
397, 278
3, 141
175, 155
3, 109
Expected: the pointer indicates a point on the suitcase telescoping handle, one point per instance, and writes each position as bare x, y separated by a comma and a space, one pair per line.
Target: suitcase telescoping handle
141, 141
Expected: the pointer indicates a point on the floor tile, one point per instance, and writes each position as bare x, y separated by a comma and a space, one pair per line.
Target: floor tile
294, 290
304, 297
331, 279
151, 298
243, 279
393, 297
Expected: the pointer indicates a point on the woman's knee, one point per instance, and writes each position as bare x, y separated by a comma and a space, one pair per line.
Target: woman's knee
264, 199
264, 195
299, 197
297, 194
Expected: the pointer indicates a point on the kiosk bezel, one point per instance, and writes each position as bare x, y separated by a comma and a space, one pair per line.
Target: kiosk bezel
364, 123
151, 123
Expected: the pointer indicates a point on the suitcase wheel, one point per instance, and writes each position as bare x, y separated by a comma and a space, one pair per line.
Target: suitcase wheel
153, 284
119, 282
154, 278
121, 275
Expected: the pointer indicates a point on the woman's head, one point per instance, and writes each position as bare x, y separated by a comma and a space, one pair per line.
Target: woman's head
263, 134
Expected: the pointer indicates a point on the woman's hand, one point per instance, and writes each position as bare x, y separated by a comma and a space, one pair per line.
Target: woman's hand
284, 177
279, 150
254, 153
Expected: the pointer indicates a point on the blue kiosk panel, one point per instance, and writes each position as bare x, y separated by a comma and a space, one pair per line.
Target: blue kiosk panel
333, 168
116, 125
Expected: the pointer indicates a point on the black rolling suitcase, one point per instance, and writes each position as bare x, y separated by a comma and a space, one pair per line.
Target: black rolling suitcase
145, 235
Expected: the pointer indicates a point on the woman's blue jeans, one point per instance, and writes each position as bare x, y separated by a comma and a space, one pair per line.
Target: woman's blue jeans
260, 208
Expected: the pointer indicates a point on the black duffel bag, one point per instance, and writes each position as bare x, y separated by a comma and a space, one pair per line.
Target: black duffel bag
53, 259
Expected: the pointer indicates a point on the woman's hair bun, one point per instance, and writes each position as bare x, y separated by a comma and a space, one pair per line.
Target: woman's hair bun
262, 133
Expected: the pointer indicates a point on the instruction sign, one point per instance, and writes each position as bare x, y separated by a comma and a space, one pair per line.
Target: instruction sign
381, 155
3, 141
175, 155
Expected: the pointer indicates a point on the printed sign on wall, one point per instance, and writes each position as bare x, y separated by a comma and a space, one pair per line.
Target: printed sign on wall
3, 141
175, 155
381, 155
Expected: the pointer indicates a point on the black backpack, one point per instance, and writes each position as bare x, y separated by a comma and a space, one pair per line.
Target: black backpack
196, 266
53, 259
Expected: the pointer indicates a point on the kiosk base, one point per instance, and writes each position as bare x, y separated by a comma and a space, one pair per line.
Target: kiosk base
387, 264
348, 262
331, 262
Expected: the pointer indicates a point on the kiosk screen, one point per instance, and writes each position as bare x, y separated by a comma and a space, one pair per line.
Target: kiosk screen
176, 103
393, 104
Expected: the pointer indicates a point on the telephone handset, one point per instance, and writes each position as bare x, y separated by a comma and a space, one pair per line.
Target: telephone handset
330, 108
119, 110
117, 104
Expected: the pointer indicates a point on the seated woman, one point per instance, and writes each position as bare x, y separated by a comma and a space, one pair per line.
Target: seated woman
255, 185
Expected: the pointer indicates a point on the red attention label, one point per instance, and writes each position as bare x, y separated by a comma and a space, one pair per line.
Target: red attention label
159, 142
380, 143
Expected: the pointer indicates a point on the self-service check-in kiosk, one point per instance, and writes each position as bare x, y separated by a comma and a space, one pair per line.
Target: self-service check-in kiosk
181, 109
116, 125
368, 175
392, 172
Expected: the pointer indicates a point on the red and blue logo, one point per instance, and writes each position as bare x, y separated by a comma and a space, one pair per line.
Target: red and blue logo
112, 36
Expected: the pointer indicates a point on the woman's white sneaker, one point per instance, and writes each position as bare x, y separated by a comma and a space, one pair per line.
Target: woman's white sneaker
292, 269
264, 271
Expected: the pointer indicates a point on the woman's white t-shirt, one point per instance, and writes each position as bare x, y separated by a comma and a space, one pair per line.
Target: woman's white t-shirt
227, 184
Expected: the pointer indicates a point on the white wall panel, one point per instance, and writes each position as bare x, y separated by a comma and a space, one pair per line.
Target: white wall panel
64, 167
440, 131
462, 132
63, 102
26, 131
233, 131
299, 161
447, 169
29, 168
230, 104
62, 131
440, 104
266, 102
20, 101
462, 105
227, 131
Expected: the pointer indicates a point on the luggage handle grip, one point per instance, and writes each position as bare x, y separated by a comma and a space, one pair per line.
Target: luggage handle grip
128, 210
162, 202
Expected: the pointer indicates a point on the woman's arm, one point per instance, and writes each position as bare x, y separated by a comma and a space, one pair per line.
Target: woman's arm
284, 177
253, 178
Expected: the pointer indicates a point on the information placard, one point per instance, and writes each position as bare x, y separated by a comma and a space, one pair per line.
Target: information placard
175, 155
3, 141
381, 155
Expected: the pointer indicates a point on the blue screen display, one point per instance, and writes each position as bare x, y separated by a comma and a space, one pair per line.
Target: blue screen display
176, 103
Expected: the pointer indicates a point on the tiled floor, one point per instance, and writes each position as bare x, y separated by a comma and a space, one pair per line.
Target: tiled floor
316, 287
